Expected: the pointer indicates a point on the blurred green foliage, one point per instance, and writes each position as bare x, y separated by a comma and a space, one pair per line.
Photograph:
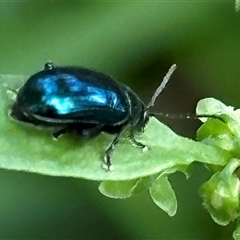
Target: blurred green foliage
135, 42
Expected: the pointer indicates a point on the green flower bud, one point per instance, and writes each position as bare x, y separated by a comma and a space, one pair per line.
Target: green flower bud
221, 194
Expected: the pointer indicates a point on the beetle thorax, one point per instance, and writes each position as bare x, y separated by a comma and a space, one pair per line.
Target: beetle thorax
136, 111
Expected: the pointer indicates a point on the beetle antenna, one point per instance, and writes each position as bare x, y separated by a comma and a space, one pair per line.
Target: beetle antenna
162, 86
179, 116
186, 116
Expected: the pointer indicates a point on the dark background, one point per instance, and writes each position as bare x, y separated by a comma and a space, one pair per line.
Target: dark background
136, 42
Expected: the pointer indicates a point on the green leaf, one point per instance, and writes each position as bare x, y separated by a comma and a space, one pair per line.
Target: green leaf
236, 233
237, 5
217, 133
213, 106
124, 189
225, 135
26, 148
119, 189
163, 195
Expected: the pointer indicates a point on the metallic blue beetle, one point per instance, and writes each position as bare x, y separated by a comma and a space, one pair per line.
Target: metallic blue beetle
84, 101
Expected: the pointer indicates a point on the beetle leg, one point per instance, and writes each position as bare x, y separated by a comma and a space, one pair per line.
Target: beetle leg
49, 66
84, 132
58, 133
137, 144
91, 132
107, 163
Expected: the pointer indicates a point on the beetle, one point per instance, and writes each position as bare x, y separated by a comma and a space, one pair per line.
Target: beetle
84, 101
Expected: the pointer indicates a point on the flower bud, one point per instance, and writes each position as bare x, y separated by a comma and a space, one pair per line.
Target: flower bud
221, 194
